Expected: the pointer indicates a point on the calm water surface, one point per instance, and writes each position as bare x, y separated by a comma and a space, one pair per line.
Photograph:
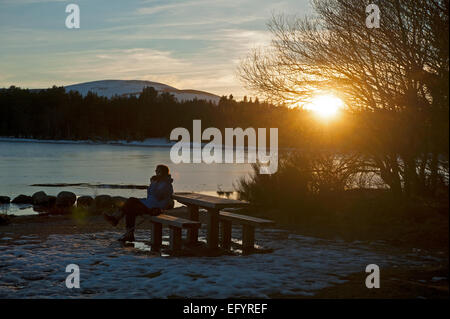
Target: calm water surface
23, 164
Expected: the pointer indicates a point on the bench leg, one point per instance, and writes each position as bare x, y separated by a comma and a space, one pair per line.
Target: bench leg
248, 238
156, 235
225, 238
213, 228
192, 233
175, 238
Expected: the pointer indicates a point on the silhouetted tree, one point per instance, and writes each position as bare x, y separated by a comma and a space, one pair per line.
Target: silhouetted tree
398, 72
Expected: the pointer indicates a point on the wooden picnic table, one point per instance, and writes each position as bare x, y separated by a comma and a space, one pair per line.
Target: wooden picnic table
213, 205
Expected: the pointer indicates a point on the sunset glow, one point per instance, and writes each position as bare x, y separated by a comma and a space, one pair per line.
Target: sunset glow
325, 106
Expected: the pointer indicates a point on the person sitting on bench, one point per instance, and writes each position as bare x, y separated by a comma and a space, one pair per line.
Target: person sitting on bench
159, 196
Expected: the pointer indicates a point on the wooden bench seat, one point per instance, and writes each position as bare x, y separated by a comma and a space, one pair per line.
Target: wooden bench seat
248, 223
176, 224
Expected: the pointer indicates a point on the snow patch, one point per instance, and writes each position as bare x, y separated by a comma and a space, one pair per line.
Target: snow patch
298, 266
127, 88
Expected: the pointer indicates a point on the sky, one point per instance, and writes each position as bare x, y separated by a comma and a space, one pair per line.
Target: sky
191, 44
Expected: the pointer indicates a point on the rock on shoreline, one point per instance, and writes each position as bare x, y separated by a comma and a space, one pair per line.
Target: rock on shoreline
5, 200
39, 198
84, 201
22, 199
65, 203
65, 199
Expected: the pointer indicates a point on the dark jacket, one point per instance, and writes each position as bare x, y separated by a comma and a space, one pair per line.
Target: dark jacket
159, 193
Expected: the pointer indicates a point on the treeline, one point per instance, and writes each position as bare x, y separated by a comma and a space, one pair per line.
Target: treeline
56, 114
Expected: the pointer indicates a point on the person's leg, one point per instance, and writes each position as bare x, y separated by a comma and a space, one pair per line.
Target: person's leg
128, 207
133, 207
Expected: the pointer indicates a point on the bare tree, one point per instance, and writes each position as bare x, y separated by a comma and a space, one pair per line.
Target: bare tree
397, 75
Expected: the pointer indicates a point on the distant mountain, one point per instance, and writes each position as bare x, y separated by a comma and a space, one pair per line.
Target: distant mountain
109, 88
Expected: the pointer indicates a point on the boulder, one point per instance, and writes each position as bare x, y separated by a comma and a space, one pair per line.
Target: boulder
65, 199
101, 204
104, 202
119, 201
44, 206
40, 199
84, 201
22, 199
5, 200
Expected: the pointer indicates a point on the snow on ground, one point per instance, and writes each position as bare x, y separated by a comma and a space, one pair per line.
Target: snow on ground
299, 265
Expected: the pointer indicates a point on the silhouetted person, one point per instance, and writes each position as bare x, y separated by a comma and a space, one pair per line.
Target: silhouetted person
159, 196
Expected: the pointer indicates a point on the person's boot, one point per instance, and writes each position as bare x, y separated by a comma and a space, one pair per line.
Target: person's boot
128, 236
111, 219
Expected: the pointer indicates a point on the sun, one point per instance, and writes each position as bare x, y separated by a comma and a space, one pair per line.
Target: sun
325, 106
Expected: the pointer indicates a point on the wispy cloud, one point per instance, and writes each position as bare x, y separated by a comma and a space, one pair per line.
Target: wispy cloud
176, 5
130, 64
21, 2
193, 44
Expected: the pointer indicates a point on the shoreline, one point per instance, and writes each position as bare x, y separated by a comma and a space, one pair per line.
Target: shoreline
150, 142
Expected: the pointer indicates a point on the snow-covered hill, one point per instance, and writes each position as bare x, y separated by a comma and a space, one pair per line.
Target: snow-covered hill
110, 88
